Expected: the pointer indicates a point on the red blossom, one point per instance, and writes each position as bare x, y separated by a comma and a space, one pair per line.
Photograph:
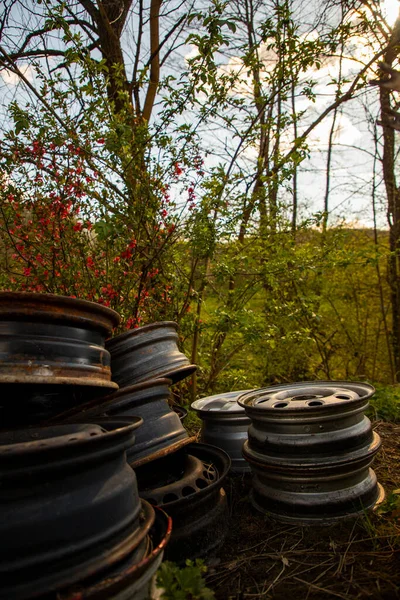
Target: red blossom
44, 221
90, 262
177, 169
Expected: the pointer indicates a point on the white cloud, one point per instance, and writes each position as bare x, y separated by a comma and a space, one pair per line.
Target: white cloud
193, 53
344, 133
12, 79
391, 10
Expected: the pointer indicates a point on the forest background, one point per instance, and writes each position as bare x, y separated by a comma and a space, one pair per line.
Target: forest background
225, 165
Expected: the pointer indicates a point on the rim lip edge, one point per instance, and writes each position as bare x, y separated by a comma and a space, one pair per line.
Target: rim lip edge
175, 375
162, 452
203, 410
114, 341
323, 521
115, 584
87, 307
137, 387
366, 452
55, 380
103, 403
32, 448
248, 400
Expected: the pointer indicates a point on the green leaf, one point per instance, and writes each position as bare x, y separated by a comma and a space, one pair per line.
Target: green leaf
21, 125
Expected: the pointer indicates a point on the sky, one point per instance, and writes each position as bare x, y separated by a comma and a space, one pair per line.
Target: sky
352, 165
351, 169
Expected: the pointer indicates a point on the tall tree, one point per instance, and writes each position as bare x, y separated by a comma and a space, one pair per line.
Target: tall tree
390, 152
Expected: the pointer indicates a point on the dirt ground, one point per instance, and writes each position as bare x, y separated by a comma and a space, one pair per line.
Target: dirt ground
355, 559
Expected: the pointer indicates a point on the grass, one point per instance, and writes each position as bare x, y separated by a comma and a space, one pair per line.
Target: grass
192, 422
385, 404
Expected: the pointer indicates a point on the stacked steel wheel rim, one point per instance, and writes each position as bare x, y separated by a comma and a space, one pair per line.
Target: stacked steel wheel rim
70, 506
132, 579
225, 425
188, 486
148, 352
49, 339
52, 355
162, 431
139, 359
74, 524
71, 513
310, 447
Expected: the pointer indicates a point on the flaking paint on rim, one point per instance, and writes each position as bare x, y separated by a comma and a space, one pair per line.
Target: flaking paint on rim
53, 308
59, 380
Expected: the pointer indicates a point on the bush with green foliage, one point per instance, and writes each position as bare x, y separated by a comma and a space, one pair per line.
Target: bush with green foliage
185, 583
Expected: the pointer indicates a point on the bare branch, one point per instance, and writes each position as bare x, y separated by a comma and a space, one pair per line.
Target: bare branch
134, 85
166, 38
9, 64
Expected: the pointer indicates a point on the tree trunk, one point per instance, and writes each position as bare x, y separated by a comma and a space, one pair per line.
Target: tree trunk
393, 199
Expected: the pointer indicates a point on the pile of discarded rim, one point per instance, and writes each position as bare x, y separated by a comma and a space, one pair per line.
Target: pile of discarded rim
73, 524
182, 477
145, 362
310, 448
53, 349
53, 538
